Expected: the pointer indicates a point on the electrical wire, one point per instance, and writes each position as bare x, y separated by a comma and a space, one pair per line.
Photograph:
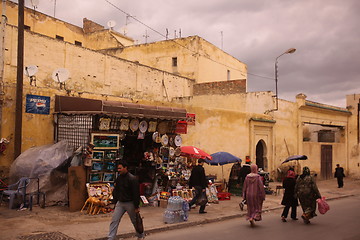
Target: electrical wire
130, 16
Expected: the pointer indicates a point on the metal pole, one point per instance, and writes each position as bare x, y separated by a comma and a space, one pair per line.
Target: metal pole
19, 81
2, 51
276, 84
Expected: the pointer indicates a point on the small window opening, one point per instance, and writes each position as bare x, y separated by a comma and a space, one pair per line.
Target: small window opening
59, 37
174, 62
228, 75
26, 27
77, 43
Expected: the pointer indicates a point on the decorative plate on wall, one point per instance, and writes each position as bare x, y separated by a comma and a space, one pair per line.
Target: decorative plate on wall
134, 125
143, 126
104, 123
124, 124
152, 126
164, 140
178, 140
177, 151
171, 151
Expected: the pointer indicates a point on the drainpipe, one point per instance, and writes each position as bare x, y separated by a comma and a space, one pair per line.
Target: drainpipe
19, 81
2, 51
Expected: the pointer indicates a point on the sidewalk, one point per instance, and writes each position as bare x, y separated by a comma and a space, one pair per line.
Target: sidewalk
80, 226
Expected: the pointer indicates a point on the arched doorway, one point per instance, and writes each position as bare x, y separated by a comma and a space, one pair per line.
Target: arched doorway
261, 159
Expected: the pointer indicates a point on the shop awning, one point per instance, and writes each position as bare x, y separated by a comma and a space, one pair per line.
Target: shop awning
77, 105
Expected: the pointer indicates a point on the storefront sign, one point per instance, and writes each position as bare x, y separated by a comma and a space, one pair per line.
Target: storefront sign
37, 104
190, 118
181, 127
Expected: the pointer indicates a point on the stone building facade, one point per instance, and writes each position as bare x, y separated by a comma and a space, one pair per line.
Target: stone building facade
105, 66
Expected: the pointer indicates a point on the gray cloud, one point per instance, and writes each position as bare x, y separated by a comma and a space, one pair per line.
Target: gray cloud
325, 33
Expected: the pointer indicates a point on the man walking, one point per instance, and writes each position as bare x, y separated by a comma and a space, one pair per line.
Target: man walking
199, 182
339, 174
127, 199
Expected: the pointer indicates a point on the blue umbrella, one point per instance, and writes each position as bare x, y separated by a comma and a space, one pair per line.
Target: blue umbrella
295, 157
222, 158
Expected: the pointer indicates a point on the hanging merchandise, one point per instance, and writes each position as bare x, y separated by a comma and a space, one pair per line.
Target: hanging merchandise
122, 135
171, 152
156, 137
177, 151
104, 124
152, 126
171, 141
164, 140
163, 127
141, 135
178, 140
143, 126
124, 124
134, 125
164, 151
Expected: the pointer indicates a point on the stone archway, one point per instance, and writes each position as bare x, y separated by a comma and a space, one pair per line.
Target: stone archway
261, 155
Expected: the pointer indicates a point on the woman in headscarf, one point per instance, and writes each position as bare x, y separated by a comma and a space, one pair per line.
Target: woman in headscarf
289, 200
254, 194
307, 192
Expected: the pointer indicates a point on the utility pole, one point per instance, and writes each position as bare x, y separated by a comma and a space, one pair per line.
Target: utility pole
2, 50
146, 36
19, 81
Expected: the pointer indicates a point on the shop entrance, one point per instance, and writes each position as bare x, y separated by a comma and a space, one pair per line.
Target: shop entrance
134, 150
261, 159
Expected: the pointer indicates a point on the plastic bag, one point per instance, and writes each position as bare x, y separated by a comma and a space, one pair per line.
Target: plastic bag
323, 206
202, 200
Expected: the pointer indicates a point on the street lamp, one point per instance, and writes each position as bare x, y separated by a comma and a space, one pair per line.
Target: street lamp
290, 50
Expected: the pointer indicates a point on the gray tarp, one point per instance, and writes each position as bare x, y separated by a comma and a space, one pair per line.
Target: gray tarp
48, 163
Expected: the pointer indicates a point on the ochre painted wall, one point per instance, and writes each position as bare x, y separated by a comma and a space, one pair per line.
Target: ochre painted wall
196, 58
51, 27
92, 75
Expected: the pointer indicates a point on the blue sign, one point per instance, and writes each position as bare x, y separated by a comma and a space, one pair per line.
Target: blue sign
37, 104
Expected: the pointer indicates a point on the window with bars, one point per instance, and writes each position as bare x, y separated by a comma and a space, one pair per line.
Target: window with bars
75, 129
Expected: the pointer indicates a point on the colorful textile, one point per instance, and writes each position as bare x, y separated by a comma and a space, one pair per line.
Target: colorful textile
307, 192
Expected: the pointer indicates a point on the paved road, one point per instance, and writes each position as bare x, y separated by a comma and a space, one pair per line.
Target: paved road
340, 223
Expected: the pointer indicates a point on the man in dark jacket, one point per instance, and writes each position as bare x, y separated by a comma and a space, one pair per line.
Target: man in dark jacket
339, 174
127, 199
198, 181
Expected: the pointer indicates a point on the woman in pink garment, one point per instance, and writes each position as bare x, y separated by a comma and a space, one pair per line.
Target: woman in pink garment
254, 194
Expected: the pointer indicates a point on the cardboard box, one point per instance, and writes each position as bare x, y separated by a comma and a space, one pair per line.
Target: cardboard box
77, 187
163, 203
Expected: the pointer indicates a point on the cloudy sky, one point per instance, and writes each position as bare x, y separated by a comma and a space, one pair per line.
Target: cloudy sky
325, 33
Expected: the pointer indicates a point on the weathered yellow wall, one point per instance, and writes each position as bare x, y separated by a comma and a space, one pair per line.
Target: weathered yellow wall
223, 124
192, 55
233, 123
353, 132
92, 75
313, 149
50, 26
